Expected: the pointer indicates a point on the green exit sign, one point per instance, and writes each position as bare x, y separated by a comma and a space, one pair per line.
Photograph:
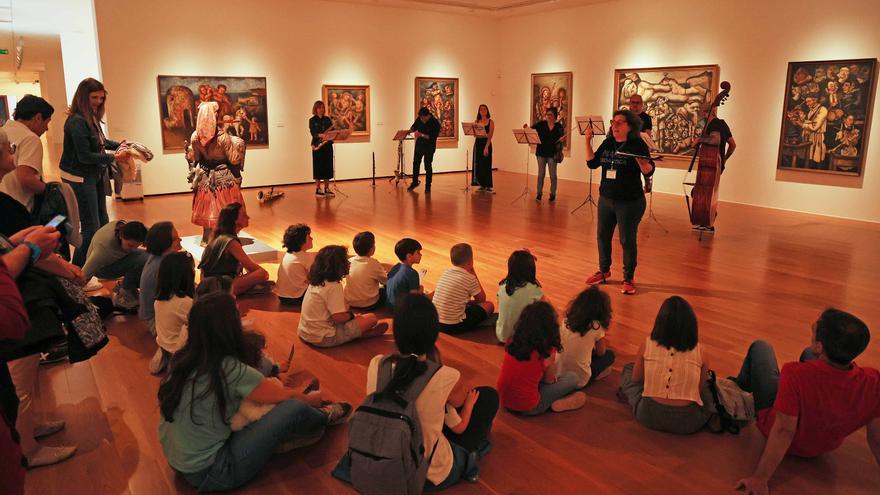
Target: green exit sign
4, 51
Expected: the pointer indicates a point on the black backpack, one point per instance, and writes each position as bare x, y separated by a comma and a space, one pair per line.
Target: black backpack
385, 439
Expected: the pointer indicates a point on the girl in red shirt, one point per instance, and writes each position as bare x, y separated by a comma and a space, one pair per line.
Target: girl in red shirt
528, 383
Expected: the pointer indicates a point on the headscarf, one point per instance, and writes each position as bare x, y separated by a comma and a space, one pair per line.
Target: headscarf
206, 124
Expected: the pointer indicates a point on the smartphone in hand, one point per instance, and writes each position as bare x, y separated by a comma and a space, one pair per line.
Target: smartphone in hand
56, 222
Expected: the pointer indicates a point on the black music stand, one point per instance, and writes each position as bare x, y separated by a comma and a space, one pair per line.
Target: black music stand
597, 125
336, 136
400, 172
528, 137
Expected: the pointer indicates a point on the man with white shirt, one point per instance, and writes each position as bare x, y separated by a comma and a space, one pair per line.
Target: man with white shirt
30, 120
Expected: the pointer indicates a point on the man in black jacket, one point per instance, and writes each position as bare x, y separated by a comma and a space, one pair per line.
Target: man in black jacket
425, 131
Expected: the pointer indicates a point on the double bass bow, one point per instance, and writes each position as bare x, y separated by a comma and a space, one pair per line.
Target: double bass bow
702, 202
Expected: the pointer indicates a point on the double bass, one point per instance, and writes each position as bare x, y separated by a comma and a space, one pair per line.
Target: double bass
703, 200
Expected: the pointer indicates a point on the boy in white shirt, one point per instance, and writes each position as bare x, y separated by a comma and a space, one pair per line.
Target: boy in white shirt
293, 272
363, 287
460, 299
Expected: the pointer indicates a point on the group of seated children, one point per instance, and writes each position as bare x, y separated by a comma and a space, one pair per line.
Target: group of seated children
807, 409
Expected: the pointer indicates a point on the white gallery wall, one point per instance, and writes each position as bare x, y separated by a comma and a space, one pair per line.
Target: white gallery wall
751, 40
298, 45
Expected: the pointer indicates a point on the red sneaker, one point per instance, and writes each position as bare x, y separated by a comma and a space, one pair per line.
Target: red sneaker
628, 287
598, 278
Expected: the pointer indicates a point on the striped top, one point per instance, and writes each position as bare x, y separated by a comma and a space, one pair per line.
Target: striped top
454, 290
672, 374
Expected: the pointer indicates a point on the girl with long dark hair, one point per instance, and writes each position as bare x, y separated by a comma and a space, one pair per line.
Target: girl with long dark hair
621, 196
175, 289
203, 391
516, 291
528, 383
162, 239
483, 149
666, 386
84, 162
456, 422
225, 256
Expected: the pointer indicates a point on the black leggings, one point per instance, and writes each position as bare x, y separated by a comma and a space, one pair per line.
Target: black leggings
480, 424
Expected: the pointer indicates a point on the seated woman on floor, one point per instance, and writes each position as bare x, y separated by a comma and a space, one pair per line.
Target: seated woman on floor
667, 385
204, 389
225, 256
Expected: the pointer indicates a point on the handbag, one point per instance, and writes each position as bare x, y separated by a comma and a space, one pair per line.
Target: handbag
733, 406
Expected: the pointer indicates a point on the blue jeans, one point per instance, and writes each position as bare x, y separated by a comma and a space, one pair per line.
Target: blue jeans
246, 452
566, 383
543, 164
130, 267
760, 373
92, 203
598, 364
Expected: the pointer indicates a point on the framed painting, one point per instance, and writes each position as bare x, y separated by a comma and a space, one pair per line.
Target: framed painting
348, 106
241, 102
552, 89
440, 96
672, 97
4, 109
826, 116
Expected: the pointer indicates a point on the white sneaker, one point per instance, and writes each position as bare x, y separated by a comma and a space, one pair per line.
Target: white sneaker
93, 285
45, 456
125, 298
48, 428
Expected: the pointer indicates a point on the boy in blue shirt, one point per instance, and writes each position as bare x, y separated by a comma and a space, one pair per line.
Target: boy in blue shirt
403, 278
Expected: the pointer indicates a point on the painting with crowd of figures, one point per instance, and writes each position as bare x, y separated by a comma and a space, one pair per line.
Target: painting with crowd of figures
440, 96
826, 116
672, 97
348, 106
241, 102
552, 89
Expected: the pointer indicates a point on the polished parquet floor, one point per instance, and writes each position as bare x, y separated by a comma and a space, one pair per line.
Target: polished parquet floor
765, 274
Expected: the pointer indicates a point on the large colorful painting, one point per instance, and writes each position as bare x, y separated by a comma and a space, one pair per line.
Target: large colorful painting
826, 116
672, 97
241, 100
348, 107
552, 89
440, 96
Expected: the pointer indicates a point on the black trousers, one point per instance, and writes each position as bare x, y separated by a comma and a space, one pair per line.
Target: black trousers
626, 215
482, 164
428, 154
480, 425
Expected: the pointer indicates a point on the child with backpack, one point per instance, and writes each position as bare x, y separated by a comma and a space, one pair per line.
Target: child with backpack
586, 351
408, 405
528, 383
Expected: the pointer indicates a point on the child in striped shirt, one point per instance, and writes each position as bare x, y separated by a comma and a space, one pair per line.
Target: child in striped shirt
460, 299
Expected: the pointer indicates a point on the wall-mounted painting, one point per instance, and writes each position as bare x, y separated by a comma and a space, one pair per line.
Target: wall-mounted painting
826, 116
348, 107
241, 101
440, 96
672, 97
552, 89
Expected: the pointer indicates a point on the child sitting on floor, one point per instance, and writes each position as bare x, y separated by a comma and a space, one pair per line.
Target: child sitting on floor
293, 272
403, 278
459, 296
586, 348
363, 287
326, 320
528, 383
174, 298
516, 291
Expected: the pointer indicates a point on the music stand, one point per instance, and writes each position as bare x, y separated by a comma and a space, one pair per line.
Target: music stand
400, 173
597, 125
336, 136
528, 137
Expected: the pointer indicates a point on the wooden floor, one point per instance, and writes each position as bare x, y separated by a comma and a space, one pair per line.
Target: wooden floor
765, 274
